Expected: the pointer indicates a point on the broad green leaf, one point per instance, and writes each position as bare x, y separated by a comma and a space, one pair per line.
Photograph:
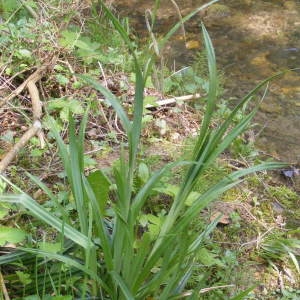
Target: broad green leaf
24, 277
85, 43
61, 79
89, 162
100, 185
57, 103
23, 53
143, 172
75, 106
68, 38
103, 234
11, 235
207, 258
4, 209
192, 197
50, 247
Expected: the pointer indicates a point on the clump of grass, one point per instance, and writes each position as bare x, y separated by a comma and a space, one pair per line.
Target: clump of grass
118, 260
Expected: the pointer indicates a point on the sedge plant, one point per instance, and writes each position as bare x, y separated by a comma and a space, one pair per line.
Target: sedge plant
118, 260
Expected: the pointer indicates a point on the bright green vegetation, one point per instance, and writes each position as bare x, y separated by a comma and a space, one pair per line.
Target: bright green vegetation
142, 228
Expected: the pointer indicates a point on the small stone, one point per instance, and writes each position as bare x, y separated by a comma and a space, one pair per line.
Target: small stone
192, 44
272, 108
290, 5
216, 11
175, 136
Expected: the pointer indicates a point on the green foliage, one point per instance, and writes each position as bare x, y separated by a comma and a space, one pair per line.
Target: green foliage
288, 293
19, 39
65, 106
284, 194
280, 247
24, 277
119, 249
13, 9
11, 235
185, 81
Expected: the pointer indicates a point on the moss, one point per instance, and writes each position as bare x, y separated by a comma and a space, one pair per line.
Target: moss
290, 201
285, 195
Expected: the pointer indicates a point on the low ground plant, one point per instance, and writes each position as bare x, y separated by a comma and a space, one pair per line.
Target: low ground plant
117, 250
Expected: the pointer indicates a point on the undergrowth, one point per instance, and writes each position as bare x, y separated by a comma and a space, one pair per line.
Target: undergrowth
139, 227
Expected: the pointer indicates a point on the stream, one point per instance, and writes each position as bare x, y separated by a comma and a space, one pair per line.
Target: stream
253, 39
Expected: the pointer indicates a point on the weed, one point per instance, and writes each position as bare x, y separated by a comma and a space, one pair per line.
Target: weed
120, 250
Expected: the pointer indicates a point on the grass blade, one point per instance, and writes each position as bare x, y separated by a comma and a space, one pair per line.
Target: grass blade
102, 230
40, 213
112, 99
76, 165
68, 261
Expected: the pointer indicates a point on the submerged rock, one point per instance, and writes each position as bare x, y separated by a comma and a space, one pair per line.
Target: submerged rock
272, 108
217, 11
192, 44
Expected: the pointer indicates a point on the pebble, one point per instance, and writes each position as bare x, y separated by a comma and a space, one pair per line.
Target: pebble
192, 44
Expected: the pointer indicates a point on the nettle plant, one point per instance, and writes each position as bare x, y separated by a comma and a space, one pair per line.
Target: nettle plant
118, 260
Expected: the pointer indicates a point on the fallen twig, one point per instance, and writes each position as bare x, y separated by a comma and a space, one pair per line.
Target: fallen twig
34, 77
32, 131
35, 129
173, 101
36, 108
3, 288
206, 290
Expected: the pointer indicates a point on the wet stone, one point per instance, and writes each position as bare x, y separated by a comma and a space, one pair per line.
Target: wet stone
273, 108
290, 5
217, 11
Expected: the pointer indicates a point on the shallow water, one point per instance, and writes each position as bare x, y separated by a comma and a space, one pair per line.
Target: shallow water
253, 39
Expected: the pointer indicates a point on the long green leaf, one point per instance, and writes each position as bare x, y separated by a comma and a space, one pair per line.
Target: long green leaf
141, 197
63, 151
216, 190
102, 230
118, 26
100, 184
177, 26
40, 213
137, 268
212, 91
70, 262
243, 294
128, 295
111, 98
74, 177
136, 128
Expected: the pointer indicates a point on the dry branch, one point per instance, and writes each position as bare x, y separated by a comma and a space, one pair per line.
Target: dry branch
36, 128
34, 77
3, 288
35, 98
36, 108
32, 131
173, 101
